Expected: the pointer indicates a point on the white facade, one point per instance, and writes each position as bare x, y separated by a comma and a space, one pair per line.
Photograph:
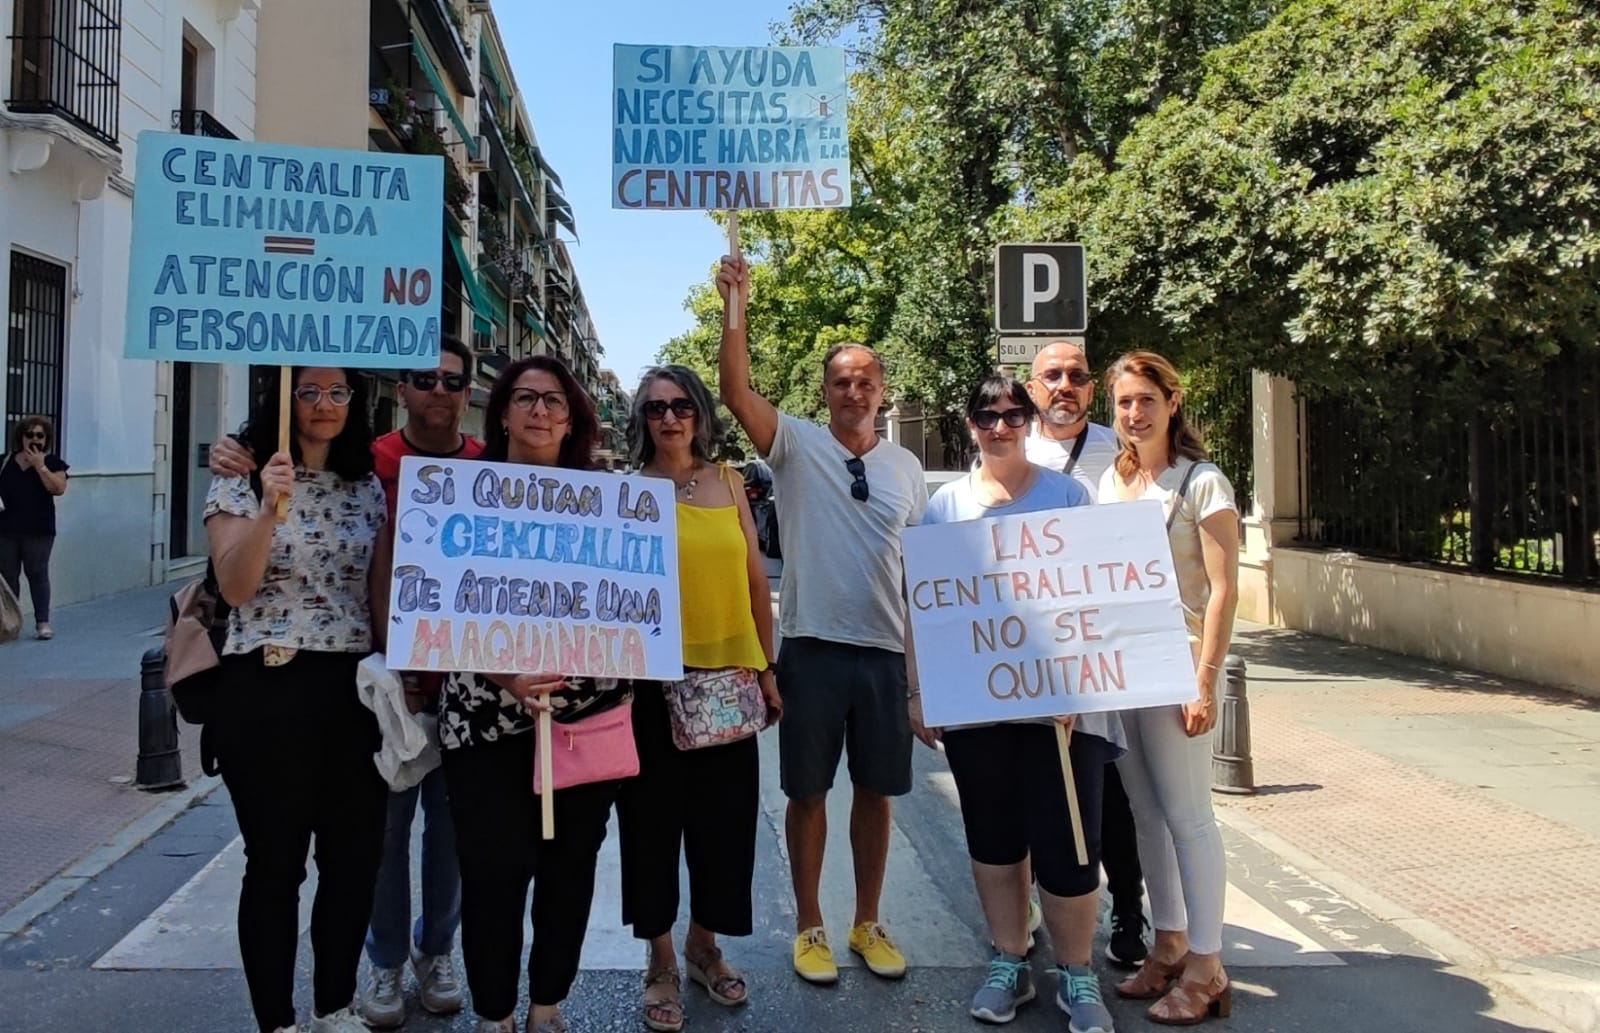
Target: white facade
66, 198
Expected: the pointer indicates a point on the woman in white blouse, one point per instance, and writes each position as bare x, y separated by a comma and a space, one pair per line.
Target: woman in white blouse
293, 741
1167, 769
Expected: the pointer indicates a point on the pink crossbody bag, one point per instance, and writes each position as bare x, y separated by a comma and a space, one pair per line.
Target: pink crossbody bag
599, 748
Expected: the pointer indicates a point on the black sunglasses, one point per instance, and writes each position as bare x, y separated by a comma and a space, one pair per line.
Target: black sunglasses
1075, 377
858, 470
988, 419
656, 409
34, 435
427, 380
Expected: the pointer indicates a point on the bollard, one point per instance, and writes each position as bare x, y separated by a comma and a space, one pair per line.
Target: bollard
160, 766
1231, 768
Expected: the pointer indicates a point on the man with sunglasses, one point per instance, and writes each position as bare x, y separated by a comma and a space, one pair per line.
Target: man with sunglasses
1064, 439
844, 495
434, 401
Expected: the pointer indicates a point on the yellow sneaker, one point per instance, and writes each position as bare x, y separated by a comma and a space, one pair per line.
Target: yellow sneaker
871, 941
813, 958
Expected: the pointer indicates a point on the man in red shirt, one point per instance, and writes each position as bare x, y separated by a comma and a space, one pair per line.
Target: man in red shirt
434, 400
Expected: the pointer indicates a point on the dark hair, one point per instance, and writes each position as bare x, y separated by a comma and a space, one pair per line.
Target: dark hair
577, 450
349, 454
710, 429
999, 386
26, 424
455, 346
844, 346
1183, 441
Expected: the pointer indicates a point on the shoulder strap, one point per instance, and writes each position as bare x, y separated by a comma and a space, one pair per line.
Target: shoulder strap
1183, 491
1077, 450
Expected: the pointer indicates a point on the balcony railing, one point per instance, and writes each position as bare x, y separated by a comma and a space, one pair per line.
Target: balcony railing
65, 56
194, 122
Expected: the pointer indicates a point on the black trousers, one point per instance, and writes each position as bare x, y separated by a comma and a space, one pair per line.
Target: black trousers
28, 554
1119, 848
295, 746
500, 851
707, 801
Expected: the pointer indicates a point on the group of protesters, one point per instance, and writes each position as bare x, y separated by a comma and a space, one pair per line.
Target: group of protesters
309, 591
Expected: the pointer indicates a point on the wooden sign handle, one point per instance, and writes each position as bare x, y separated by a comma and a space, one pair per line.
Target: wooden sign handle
285, 415
547, 798
733, 249
1063, 745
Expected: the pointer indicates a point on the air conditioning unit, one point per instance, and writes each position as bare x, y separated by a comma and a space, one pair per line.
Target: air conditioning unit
480, 161
482, 343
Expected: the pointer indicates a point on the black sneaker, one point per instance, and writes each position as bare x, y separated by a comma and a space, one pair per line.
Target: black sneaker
1127, 948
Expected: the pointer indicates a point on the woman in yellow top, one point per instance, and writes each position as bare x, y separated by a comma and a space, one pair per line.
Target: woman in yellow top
702, 797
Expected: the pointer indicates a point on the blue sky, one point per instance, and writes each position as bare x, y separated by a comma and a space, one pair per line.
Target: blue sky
636, 267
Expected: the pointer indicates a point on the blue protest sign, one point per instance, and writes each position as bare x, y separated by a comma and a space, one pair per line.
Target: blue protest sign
279, 255
729, 127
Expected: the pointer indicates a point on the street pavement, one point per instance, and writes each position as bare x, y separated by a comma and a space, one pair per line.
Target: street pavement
1420, 856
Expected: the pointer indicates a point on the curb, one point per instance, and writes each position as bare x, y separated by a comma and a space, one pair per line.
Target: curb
1572, 1002
72, 878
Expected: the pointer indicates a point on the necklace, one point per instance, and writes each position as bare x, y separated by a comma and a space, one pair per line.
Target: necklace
688, 486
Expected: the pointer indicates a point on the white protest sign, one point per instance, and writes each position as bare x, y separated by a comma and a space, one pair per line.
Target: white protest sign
1042, 614
504, 568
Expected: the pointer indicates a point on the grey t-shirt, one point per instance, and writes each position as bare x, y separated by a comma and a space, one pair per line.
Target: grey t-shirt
1099, 452
841, 570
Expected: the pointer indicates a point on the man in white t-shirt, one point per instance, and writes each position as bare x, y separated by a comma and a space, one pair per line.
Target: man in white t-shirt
1064, 439
843, 497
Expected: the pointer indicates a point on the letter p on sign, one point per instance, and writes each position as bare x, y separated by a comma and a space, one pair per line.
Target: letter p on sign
1040, 288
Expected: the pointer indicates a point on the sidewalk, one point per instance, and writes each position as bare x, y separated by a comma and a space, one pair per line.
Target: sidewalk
1462, 808
69, 738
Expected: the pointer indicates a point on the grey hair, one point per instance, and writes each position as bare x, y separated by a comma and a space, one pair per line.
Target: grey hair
710, 429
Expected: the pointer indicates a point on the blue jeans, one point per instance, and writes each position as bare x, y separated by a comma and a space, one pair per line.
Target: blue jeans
435, 929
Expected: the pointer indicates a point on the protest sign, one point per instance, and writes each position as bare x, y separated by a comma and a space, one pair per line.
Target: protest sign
729, 127
267, 253
503, 568
1049, 613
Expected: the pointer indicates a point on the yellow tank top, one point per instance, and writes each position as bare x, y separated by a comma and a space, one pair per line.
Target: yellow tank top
714, 588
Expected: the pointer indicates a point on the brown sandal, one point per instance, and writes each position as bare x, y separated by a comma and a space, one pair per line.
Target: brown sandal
1152, 979
727, 989
665, 1014
1188, 1004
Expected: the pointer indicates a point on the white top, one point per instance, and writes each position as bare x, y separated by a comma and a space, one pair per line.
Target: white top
1099, 452
1208, 492
958, 501
841, 570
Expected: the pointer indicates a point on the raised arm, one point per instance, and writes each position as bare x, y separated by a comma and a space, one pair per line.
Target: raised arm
755, 414
241, 546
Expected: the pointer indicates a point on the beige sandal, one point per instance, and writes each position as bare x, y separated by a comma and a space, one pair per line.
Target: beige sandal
663, 1014
728, 989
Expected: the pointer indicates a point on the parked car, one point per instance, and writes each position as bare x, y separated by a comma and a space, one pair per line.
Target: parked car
758, 489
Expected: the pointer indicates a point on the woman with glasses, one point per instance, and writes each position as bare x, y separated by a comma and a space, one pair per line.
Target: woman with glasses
1008, 775
32, 477
700, 798
1167, 770
537, 414
294, 742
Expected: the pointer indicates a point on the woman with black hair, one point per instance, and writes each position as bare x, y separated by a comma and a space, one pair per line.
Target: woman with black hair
537, 414
293, 741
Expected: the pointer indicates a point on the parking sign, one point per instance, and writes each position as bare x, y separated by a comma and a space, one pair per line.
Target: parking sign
1040, 289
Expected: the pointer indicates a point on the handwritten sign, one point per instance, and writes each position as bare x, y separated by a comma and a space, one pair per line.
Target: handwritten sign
280, 255
504, 568
1041, 614
723, 127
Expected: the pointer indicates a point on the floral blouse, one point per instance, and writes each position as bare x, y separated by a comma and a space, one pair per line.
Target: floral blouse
314, 592
473, 709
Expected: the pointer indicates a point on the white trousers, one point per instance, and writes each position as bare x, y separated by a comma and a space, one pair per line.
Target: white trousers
1168, 778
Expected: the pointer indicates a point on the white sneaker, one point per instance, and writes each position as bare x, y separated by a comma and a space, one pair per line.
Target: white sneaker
382, 1004
345, 1020
436, 976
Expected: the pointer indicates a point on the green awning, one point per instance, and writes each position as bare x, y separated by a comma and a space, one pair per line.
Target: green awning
482, 307
431, 73
481, 325
532, 323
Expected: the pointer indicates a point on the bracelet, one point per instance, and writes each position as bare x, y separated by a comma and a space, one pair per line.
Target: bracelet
1214, 667
913, 693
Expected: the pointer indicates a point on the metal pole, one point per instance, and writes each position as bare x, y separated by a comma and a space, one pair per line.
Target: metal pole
1231, 767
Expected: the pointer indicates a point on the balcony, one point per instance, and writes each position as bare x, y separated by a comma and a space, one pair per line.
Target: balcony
195, 122
65, 58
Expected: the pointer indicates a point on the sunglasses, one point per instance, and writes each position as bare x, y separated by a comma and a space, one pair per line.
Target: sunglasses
988, 419
427, 380
656, 409
34, 435
311, 394
858, 470
1075, 377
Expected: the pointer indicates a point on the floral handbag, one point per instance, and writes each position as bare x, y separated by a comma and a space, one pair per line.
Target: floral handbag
712, 707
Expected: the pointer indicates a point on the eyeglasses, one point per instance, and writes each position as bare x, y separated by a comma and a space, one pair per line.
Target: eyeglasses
34, 435
526, 399
311, 394
427, 380
858, 470
988, 419
682, 408
1075, 377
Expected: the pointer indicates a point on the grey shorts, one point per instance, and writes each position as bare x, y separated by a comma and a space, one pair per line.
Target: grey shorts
838, 696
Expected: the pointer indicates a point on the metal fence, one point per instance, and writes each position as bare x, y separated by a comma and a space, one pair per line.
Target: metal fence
1504, 486
65, 56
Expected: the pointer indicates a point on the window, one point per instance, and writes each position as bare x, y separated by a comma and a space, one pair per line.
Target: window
65, 57
36, 339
